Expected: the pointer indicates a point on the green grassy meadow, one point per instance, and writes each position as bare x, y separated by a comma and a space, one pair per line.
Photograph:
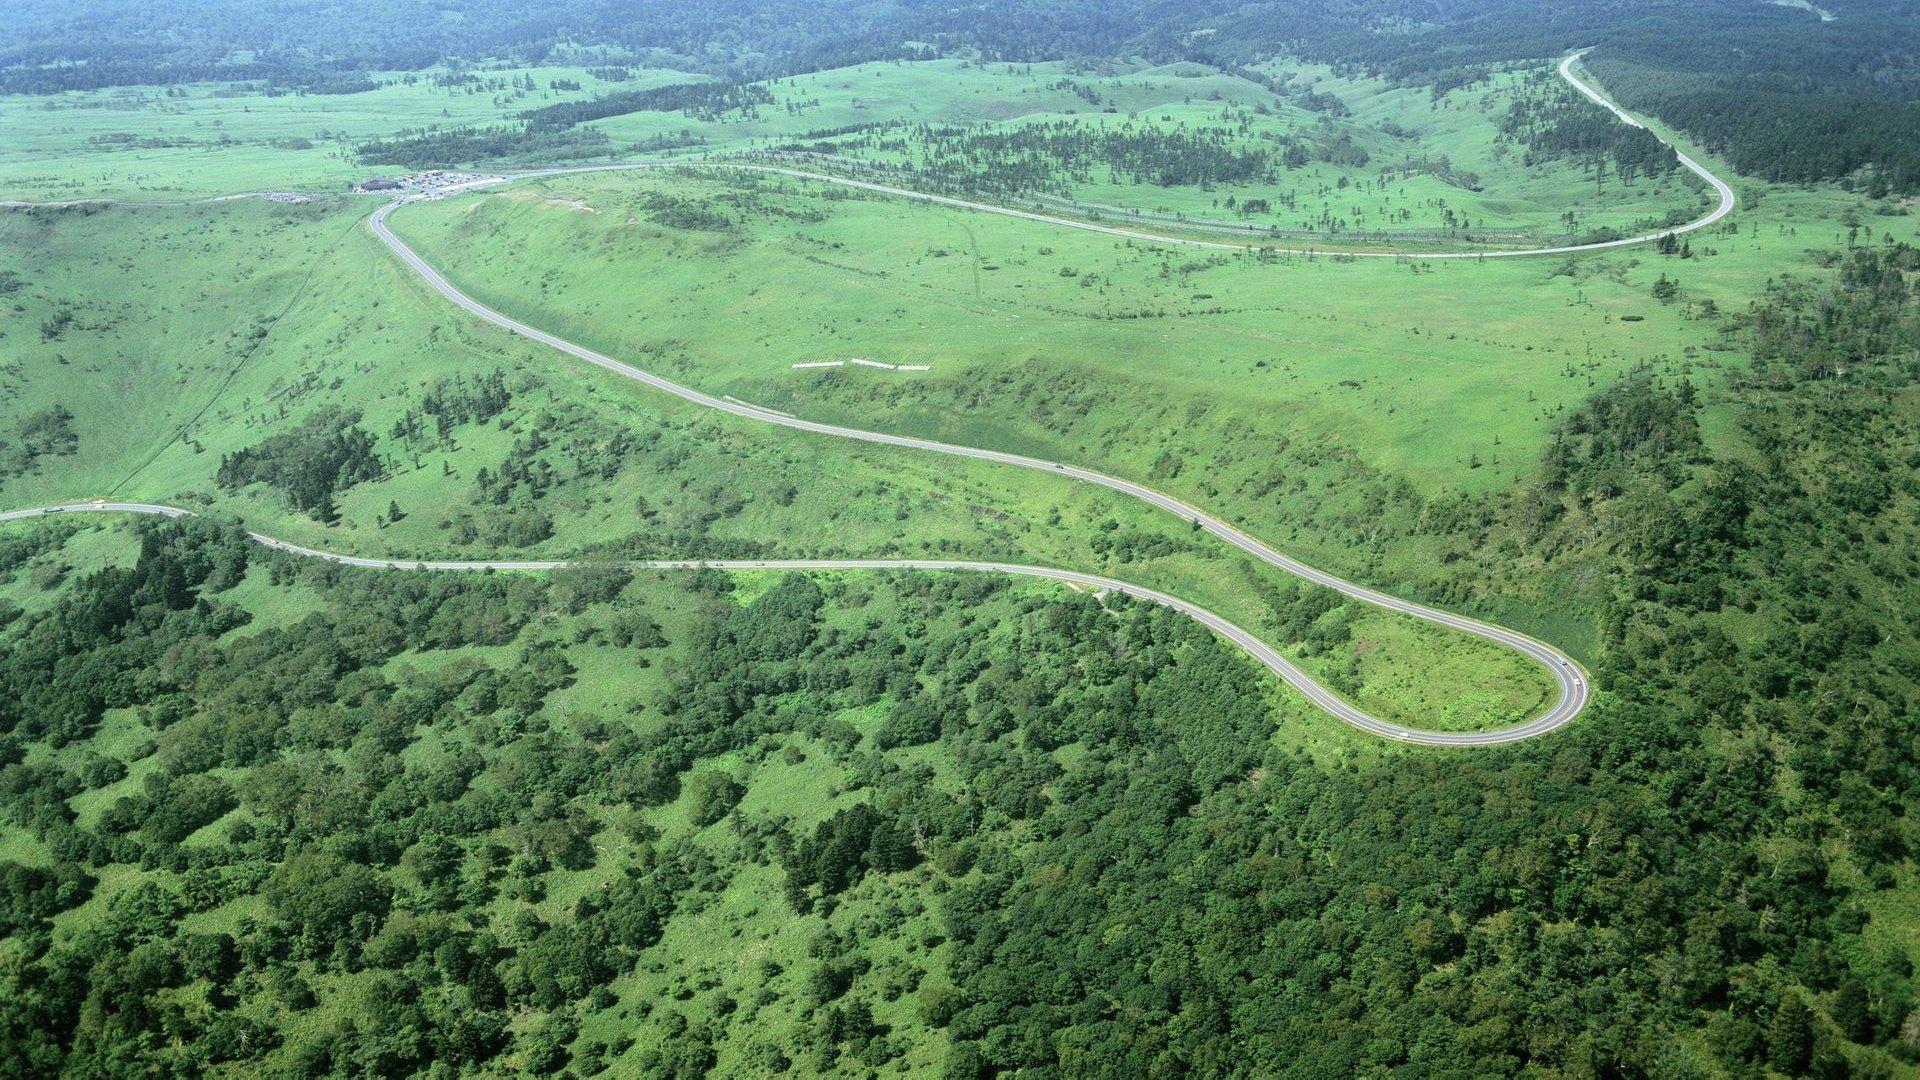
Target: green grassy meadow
213, 139
1433, 164
1335, 399
1305, 396
1326, 403
709, 485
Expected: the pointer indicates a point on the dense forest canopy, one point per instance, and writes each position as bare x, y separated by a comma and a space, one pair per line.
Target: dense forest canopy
1785, 93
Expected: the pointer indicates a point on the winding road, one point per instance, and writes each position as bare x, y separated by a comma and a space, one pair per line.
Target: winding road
1574, 691
1721, 189
1723, 192
1572, 684
1328, 701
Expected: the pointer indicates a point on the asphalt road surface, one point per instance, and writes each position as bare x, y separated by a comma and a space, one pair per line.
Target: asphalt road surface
1265, 654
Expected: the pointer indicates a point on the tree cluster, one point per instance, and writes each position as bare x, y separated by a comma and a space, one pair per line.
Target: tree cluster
327, 453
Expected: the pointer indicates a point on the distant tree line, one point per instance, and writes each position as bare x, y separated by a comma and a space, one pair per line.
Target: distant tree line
499, 142
1782, 93
1044, 157
698, 100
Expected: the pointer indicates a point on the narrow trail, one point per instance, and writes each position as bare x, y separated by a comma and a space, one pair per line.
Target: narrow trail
1573, 687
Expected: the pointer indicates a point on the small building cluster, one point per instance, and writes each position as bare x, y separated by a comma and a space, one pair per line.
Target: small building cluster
426, 185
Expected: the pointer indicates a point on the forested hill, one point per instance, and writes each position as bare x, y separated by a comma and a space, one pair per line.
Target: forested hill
1788, 93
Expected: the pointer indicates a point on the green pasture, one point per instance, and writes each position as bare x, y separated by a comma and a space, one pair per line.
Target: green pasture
1432, 162
1297, 393
356, 331
215, 138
